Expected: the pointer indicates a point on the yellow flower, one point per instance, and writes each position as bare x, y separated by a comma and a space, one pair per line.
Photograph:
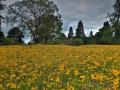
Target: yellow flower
48, 85
23, 66
116, 81
12, 85
94, 76
62, 89
115, 72
34, 88
61, 67
57, 79
76, 72
12, 76
70, 88
68, 71
83, 76
1, 86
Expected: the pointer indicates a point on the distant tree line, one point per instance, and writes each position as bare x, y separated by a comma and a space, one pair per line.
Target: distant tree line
42, 20
108, 34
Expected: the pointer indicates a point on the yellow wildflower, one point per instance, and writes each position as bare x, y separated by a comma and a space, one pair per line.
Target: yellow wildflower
116, 81
61, 67
68, 71
70, 88
57, 79
115, 72
34, 88
76, 72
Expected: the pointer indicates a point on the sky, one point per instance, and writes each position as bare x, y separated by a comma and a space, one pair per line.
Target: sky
92, 13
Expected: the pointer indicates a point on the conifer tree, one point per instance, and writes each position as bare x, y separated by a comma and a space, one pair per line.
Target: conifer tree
70, 34
91, 34
80, 30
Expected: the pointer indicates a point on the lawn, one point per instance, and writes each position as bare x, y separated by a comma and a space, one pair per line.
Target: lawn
60, 67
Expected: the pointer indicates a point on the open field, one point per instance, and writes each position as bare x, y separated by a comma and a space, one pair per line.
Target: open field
60, 67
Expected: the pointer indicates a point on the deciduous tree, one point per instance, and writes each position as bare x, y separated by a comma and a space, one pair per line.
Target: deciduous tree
115, 18
40, 17
16, 35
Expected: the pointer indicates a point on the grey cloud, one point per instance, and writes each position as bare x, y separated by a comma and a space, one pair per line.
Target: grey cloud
92, 12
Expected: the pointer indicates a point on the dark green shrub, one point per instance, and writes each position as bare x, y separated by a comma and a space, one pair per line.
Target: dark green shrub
76, 42
7, 41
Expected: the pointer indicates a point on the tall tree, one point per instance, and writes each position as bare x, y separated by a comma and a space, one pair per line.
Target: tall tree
80, 30
104, 35
16, 35
1, 36
40, 17
115, 18
91, 34
70, 34
2, 6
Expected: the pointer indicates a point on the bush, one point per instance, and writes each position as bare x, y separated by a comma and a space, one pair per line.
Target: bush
7, 41
76, 42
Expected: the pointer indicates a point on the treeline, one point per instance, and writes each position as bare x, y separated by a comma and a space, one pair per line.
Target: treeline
41, 18
105, 35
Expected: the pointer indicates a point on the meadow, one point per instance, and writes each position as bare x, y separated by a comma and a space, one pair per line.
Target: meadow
60, 67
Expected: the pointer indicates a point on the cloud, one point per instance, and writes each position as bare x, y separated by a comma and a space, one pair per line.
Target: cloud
92, 13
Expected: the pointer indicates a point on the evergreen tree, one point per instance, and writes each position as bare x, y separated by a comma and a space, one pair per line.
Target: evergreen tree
104, 35
70, 34
1, 36
91, 34
80, 30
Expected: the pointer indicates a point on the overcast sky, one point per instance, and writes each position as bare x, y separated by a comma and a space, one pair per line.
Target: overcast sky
92, 13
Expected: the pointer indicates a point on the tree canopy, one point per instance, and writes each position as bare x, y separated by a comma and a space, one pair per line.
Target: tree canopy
40, 17
115, 18
16, 35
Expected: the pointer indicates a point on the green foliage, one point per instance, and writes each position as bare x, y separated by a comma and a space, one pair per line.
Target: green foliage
104, 36
40, 17
16, 35
115, 18
75, 42
7, 41
1, 36
92, 40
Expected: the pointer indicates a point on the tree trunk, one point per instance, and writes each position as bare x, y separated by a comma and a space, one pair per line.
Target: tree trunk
46, 38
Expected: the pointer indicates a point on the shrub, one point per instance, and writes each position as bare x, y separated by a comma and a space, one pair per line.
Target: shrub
76, 42
7, 41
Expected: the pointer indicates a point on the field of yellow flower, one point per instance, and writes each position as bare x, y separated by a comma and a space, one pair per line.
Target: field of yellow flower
60, 67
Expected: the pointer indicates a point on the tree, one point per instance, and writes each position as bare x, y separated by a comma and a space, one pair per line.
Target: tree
1, 36
16, 35
115, 18
40, 17
80, 30
91, 34
70, 34
2, 6
104, 35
